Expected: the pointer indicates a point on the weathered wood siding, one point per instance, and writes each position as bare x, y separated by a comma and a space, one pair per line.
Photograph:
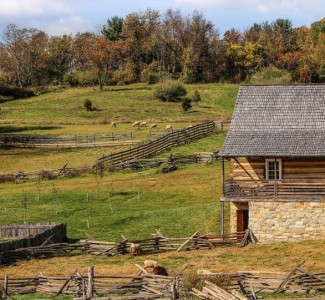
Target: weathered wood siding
243, 168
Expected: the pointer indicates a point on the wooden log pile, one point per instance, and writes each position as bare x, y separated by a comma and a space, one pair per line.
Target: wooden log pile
141, 286
213, 292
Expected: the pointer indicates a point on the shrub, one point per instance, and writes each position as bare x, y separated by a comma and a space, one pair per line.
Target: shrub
186, 104
88, 105
170, 91
122, 77
271, 75
80, 78
196, 97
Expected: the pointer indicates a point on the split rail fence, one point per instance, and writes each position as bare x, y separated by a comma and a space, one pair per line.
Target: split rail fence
250, 283
157, 244
134, 158
81, 141
175, 138
79, 286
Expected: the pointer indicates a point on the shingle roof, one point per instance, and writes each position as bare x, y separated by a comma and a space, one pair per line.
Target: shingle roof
277, 121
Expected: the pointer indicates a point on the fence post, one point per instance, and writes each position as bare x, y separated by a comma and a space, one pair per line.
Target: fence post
5, 287
90, 288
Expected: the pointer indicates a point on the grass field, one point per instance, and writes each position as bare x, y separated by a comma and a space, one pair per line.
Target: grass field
121, 104
129, 203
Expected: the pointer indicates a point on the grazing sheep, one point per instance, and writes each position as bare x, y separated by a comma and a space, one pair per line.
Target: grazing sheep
158, 270
150, 264
136, 123
203, 272
113, 124
153, 126
189, 126
169, 128
143, 124
135, 249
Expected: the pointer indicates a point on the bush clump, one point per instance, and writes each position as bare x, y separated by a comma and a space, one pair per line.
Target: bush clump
88, 105
186, 104
169, 91
196, 97
271, 75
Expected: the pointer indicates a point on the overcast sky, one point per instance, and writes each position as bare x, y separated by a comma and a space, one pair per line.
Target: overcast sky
58, 17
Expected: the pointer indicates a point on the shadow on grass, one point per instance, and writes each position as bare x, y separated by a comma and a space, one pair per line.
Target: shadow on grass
14, 129
128, 89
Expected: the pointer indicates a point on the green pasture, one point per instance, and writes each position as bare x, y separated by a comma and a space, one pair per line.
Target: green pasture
132, 203
122, 104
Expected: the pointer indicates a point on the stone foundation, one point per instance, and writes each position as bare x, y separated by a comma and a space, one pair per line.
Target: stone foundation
283, 221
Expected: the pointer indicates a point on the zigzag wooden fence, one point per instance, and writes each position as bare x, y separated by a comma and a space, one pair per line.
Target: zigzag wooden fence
175, 138
79, 286
297, 280
130, 158
157, 244
50, 142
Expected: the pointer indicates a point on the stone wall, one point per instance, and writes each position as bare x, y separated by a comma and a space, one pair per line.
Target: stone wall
287, 221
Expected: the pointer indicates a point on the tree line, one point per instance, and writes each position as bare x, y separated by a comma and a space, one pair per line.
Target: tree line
151, 46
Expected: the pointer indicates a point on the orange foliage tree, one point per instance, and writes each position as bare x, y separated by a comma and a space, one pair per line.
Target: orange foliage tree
103, 56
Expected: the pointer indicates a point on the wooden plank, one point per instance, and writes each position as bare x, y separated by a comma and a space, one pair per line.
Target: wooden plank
187, 241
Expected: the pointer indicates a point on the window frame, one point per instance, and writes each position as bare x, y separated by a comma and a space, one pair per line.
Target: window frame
278, 160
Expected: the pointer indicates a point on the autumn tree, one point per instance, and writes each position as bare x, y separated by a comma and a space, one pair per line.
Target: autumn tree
24, 54
103, 55
59, 56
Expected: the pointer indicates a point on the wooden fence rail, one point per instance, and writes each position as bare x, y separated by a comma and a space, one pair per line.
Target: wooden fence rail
81, 141
182, 136
141, 286
129, 158
296, 281
157, 244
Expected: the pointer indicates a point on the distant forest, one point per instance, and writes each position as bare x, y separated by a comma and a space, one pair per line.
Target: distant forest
150, 46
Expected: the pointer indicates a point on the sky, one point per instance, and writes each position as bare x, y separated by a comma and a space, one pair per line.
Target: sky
57, 17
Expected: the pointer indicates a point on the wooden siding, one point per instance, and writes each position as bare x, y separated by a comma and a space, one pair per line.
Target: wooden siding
243, 168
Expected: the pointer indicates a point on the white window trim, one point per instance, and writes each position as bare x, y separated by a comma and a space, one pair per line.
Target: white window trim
279, 160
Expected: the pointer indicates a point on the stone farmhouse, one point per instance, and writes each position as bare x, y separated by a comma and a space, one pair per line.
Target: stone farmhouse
276, 148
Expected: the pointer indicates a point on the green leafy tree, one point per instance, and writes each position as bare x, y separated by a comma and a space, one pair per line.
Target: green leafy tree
113, 30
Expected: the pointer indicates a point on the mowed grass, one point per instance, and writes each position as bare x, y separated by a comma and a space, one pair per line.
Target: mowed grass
121, 104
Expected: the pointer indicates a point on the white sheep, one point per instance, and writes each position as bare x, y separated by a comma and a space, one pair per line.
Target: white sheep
135, 248
189, 126
150, 264
143, 124
169, 128
113, 124
154, 125
136, 123
203, 272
